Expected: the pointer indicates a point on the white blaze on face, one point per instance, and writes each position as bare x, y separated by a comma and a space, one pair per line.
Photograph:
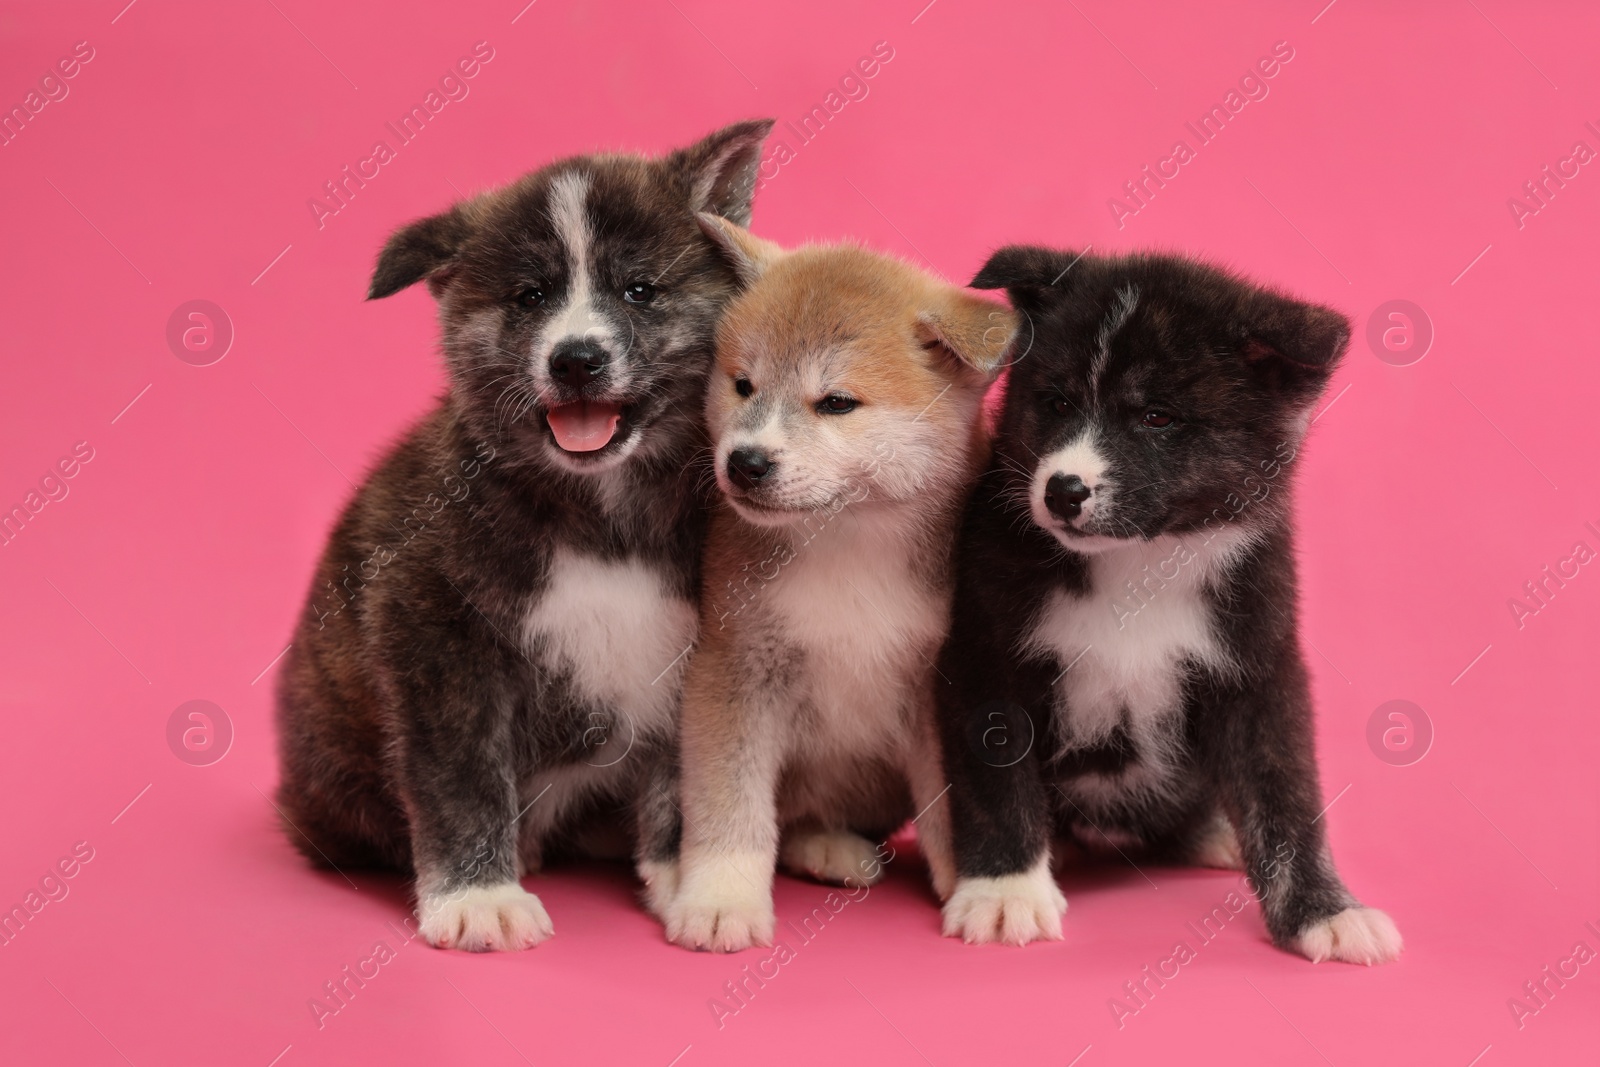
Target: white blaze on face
576, 317
1121, 311
1082, 457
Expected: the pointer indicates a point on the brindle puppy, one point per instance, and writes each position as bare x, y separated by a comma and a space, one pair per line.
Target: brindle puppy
1124, 664
491, 651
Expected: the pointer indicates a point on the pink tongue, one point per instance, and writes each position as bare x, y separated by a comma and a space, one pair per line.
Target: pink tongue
584, 425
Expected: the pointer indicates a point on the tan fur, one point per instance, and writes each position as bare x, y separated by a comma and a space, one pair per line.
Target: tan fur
807, 702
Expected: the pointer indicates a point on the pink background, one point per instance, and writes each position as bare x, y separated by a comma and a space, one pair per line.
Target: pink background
1378, 168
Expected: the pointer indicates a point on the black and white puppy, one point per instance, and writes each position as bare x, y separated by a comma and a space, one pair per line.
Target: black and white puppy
489, 658
1124, 664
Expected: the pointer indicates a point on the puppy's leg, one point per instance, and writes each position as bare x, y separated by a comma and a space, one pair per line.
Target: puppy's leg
731, 757
458, 775
660, 831
1000, 815
836, 856
1261, 753
468, 896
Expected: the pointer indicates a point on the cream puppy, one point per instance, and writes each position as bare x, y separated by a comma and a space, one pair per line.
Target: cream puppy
844, 412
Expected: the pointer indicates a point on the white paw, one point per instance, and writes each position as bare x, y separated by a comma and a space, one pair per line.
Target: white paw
832, 856
1014, 909
484, 918
1217, 845
1355, 935
720, 906
660, 880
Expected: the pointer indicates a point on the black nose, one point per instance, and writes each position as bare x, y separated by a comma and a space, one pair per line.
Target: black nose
746, 467
1064, 495
577, 363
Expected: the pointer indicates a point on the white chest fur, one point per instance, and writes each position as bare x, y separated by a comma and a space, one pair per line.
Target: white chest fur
868, 625
617, 630
1125, 647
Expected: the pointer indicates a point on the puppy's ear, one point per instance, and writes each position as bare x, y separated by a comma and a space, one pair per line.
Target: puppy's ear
749, 255
973, 332
721, 170
1030, 275
426, 248
1307, 339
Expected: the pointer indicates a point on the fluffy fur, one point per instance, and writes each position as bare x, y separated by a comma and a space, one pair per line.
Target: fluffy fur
488, 662
1124, 664
844, 416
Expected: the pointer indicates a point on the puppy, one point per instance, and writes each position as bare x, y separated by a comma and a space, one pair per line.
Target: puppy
1124, 662
844, 412
490, 655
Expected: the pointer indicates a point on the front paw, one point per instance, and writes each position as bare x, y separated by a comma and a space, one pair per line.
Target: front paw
496, 918
720, 911
1355, 935
836, 856
1013, 909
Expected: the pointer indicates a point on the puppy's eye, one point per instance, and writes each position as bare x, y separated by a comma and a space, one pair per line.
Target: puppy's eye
1157, 420
743, 387
1062, 406
531, 297
835, 404
639, 293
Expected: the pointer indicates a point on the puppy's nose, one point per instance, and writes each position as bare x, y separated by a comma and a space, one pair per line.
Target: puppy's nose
1064, 495
577, 363
746, 467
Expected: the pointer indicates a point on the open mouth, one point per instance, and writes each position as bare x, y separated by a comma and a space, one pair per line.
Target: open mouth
587, 426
